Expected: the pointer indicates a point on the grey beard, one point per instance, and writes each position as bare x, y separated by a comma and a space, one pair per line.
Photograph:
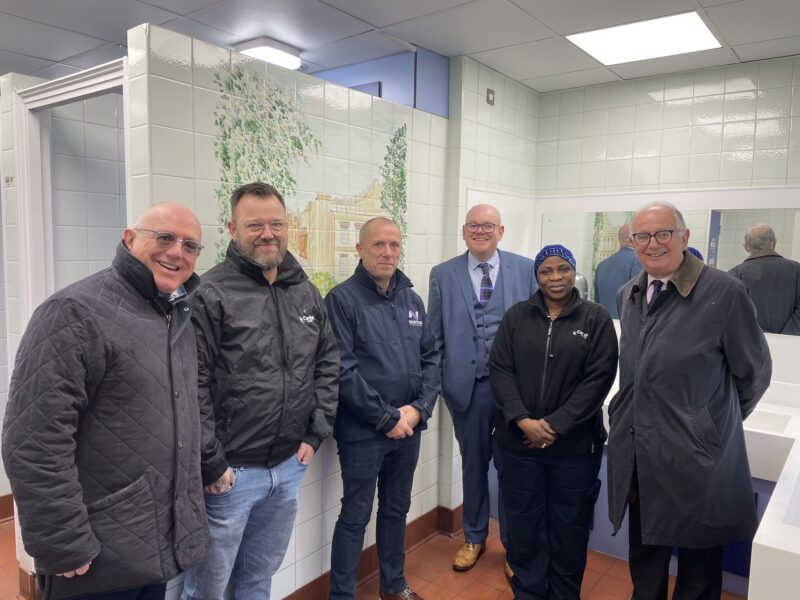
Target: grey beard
264, 264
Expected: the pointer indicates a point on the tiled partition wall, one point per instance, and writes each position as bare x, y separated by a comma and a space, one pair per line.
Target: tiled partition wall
11, 322
722, 127
174, 95
88, 181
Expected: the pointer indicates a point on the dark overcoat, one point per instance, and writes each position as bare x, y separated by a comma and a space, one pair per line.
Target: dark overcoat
690, 371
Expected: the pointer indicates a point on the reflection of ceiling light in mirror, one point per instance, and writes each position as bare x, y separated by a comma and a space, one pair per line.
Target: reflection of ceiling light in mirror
271, 51
666, 36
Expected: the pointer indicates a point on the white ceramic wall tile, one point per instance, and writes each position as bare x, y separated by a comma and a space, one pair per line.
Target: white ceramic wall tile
69, 208
738, 136
648, 116
103, 210
569, 151
621, 119
595, 122
66, 136
102, 242
101, 110
736, 166
73, 111
138, 101
570, 126
775, 73
69, 172
742, 77
176, 189
646, 143
206, 165
618, 173
619, 146
207, 61
704, 167
170, 103
679, 85
709, 82
770, 164
707, 110
622, 94
102, 176
172, 151
774, 103
772, 133
706, 138
310, 95
102, 141
740, 106
170, 55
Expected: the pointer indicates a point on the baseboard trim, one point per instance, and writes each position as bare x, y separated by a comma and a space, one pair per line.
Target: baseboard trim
6, 507
439, 520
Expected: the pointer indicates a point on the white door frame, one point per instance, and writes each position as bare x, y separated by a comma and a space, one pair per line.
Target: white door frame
34, 204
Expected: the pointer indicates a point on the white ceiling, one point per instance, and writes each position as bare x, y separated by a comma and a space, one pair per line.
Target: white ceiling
523, 39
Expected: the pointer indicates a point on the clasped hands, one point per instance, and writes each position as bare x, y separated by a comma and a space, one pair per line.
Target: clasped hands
409, 418
537, 433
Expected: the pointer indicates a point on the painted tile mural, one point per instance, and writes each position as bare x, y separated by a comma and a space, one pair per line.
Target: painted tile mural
264, 136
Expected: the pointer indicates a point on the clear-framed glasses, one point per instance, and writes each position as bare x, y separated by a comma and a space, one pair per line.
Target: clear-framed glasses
166, 240
662, 237
484, 227
256, 227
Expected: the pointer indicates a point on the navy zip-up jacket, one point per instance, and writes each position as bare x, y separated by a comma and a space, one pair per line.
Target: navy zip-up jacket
388, 355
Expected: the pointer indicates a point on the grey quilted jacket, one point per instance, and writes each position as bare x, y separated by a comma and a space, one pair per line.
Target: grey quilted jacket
101, 439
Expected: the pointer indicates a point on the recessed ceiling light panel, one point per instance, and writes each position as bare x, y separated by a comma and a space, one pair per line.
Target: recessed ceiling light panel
665, 36
271, 51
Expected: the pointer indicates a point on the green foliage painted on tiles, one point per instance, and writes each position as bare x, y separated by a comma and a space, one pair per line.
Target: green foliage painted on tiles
393, 192
323, 281
261, 135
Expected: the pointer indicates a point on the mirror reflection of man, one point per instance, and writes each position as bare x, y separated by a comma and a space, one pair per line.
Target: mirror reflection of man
615, 271
773, 281
693, 364
387, 390
467, 298
101, 438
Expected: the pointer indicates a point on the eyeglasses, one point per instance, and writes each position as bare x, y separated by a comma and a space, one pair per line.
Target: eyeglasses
484, 227
166, 240
662, 237
256, 227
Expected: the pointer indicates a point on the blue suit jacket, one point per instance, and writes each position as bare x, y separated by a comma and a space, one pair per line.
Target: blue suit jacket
451, 315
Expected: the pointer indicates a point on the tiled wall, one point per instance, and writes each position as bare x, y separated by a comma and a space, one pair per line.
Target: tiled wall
88, 181
722, 127
173, 97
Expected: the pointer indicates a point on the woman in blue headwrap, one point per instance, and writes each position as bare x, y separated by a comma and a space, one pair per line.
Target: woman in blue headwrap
552, 364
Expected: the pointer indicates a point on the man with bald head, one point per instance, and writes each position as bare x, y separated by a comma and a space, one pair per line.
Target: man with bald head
101, 438
774, 282
615, 271
693, 364
467, 298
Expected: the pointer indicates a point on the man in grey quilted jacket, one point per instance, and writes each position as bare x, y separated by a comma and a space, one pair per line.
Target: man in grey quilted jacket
101, 438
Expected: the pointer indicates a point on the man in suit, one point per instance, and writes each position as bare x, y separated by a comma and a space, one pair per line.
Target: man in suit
615, 271
468, 296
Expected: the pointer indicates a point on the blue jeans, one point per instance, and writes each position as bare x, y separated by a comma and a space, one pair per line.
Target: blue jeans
549, 502
250, 527
390, 465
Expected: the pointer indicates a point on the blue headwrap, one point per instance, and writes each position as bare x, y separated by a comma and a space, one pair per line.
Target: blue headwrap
553, 250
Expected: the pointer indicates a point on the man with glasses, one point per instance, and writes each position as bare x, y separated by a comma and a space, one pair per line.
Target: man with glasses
693, 364
101, 438
267, 392
467, 298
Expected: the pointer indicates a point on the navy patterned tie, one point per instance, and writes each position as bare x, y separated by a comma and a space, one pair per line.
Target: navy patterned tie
486, 284
657, 283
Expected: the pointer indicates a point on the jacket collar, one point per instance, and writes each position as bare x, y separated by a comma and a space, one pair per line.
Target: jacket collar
684, 279
537, 300
364, 277
289, 271
763, 254
137, 274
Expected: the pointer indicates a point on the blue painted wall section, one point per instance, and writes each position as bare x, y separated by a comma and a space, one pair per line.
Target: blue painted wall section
419, 80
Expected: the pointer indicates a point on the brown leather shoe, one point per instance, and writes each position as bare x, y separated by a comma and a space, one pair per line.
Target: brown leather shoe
467, 556
406, 594
509, 571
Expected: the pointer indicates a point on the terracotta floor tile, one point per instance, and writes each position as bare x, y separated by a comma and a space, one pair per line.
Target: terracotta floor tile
619, 569
590, 579
436, 592
598, 561
618, 588
478, 591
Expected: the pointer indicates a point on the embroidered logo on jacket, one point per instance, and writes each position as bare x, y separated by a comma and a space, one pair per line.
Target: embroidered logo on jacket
413, 318
580, 333
307, 318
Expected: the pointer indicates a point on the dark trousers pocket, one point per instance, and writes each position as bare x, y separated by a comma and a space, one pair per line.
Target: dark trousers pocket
125, 525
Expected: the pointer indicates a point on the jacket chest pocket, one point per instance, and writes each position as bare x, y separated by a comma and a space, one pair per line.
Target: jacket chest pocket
377, 324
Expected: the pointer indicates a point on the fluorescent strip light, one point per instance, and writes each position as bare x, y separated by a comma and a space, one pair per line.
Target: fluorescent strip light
666, 36
271, 51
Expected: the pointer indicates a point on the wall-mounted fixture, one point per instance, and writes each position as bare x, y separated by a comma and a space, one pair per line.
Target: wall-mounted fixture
271, 51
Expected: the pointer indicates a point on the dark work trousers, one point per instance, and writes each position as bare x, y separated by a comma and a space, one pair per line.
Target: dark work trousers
473, 429
149, 592
390, 465
549, 502
699, 569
